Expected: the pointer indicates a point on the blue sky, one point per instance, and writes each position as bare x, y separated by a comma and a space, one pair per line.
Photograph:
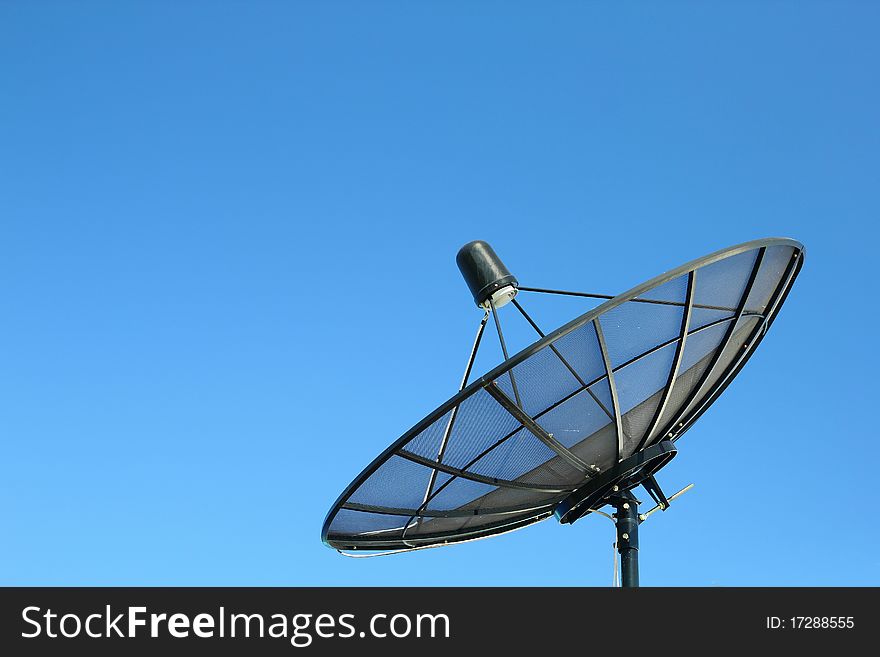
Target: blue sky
227, 241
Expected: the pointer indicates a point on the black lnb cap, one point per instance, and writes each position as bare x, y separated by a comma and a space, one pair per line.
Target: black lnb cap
483, 271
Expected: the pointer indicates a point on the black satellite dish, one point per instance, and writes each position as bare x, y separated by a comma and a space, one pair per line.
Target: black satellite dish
579, 418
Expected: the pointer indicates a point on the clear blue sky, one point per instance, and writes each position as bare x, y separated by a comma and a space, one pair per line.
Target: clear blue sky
227, 241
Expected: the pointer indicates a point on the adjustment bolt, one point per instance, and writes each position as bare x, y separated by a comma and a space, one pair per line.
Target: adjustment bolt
625, 536
614, 488
626, 505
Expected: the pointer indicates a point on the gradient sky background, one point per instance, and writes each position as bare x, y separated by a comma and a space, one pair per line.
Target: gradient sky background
227, 241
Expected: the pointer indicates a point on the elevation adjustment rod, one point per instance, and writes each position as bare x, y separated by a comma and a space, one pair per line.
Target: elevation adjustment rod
661, 506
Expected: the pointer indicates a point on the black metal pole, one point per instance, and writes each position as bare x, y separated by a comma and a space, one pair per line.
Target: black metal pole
627, 522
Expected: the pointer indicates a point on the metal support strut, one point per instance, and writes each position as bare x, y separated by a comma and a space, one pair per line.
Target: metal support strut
504, 351
626, 519
446, 432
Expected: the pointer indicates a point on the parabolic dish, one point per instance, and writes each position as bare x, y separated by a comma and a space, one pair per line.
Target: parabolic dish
643, 367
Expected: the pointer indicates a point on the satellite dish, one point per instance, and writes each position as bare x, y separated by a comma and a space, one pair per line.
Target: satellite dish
579, 418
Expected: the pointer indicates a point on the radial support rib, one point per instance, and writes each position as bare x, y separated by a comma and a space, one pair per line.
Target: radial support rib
669, 429
609, 372
676, 364
751, 342
584, 385
535, 429
483, 479
445, 513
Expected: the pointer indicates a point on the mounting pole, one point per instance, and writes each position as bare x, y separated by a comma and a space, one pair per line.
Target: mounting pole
627, 522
